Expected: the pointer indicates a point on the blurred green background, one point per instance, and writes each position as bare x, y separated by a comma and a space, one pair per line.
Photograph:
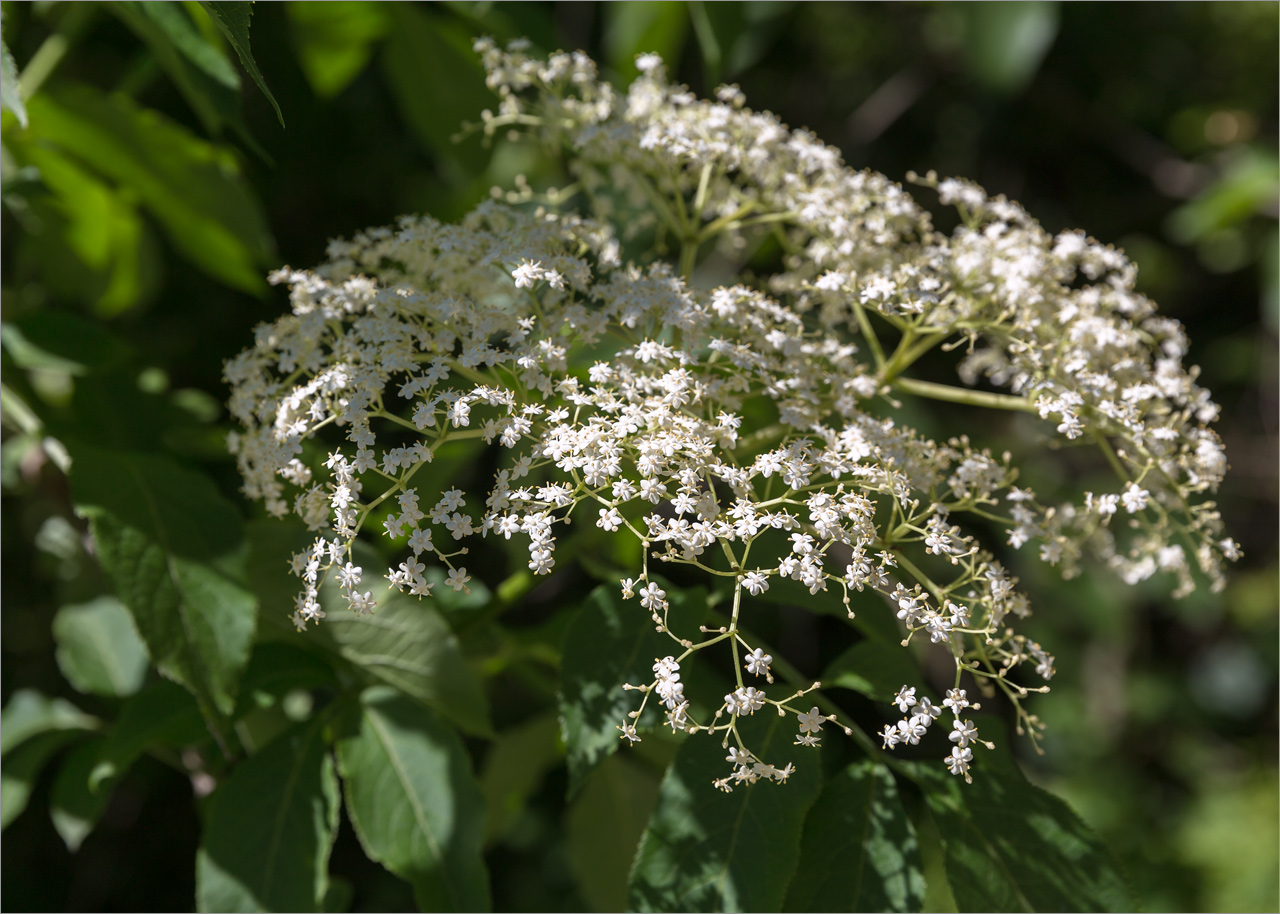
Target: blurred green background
154, 185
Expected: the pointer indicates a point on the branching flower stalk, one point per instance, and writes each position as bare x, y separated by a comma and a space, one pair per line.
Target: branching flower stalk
744, 430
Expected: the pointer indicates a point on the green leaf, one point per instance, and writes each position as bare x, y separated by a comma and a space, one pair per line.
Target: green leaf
74, 807
99, 650
874, 668
202, 73
414, 802
193, 189
516, 763
270, 827
21, 768
1010, 846
705, 850
633, 27
169, 543
162, 714
10, 97
859, 851
28, 714
608, 643
277, 668
406, 643
232, 19
603, 827
335, 39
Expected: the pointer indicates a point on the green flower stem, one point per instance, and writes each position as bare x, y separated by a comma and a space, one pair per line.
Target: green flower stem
961, 395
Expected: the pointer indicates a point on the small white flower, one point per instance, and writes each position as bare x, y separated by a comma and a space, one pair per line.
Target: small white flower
758, 662
810, 721
905, 698
457, 578
963, 732
958, 761
1134, 498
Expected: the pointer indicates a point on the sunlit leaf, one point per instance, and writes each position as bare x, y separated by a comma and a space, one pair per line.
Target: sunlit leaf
609, 642
270, 827
10, 97
29, 714
705, 850
99, 650
169, 542
859, 851
414, 802
192, 188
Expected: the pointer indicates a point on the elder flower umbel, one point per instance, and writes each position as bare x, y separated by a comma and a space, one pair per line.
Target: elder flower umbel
744, 430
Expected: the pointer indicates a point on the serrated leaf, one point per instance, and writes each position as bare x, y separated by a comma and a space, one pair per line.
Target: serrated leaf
163, 714
874, 668
169, 543
73, 806
1010, 846
99, 650
414, 802
705, 850
859, 851
232, 19
270, 827
21, 768
609, 642
28, 714
10, 97
193, 188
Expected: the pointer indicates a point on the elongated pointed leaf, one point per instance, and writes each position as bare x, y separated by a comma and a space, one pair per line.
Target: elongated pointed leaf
1010, 846
414, 801
169, 542
232, 19
705, 850
10, 97
19, 770
859, 851
193, 189
74, 807
28, 714
608, 643
270, 828
99, 650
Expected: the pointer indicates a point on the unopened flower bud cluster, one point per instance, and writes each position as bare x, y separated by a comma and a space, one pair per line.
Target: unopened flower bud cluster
624, 395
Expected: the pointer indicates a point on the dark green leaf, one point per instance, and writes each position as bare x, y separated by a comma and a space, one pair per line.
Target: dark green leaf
29, 714
516, 764
74, 807
608, 643
874, 668
406, 643
270, 827
21, 768
203, 75
163, 714
232, 19
1010, 846
169, 543
603, 828
64, 342
277, 668
1005, 42
414, 801
99, 650
705, 850
192, 188
334, 40
859, 851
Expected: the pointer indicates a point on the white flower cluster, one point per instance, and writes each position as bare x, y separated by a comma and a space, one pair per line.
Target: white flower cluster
709, 423
921, 713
